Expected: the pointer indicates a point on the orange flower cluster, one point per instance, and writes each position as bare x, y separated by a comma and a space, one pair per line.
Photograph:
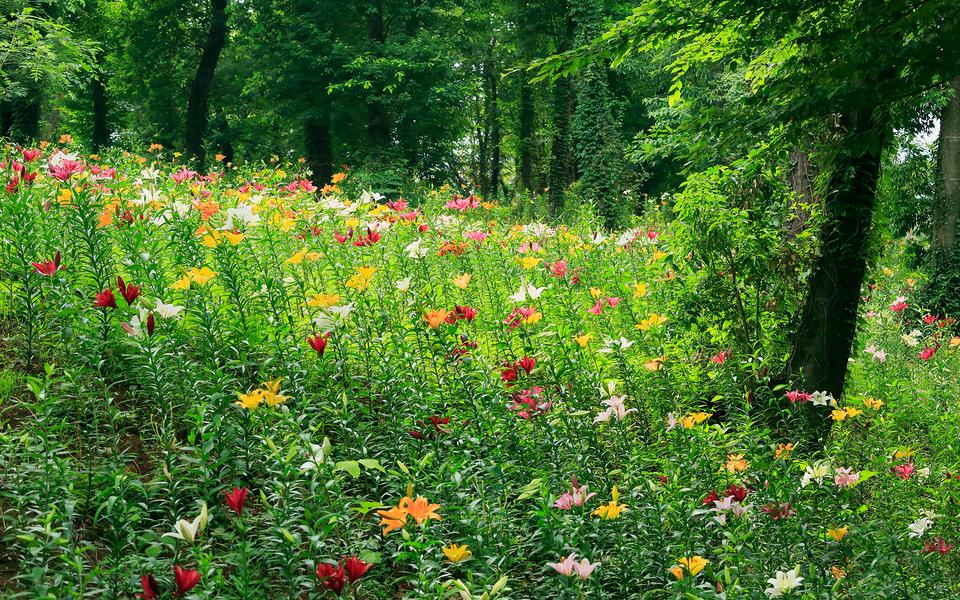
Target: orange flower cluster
396, 517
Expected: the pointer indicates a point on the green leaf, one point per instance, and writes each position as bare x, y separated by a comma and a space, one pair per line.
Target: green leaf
372, 463
350, 466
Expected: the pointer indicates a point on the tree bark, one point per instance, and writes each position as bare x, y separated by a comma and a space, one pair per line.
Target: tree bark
490, 185
940, 292
100, 137
527, 145
943, 237
21, 117
561, 157
199, 99
825, 333
802, 180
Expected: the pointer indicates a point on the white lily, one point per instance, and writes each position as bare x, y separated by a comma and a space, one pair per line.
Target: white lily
167, 311
188, 530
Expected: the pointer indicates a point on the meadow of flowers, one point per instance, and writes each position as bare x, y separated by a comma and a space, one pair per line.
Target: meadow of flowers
239, 385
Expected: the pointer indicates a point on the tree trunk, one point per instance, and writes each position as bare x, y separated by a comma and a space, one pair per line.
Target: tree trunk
199, 98
378, 119
802, 181
825, 333
319, 147
561, 158
943, 238
100, 137
595, 130
491, 184
6, 118
940, 293
526, 134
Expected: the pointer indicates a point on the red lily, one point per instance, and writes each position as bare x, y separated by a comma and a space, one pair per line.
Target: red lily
319, 342
48, 267
439, 421
939, 545
236, 499
105, 299
30, 155
558, 269
186, 579
778, 511
739, 493
711, 497
467, 313
129, 292
903, 471
356, 568
527, 363
927, 353
333, 577
151, 589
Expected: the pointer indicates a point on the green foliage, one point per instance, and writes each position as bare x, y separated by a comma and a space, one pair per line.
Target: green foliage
130, 427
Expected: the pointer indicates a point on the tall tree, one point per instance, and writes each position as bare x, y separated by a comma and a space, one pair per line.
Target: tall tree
809, 63
561, 156
199, 98
378, 118
944, 249
491, 160
595, 130
40, 57
100, 136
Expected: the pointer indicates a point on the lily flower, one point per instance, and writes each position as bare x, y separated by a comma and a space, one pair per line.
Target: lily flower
938, 545
151, 589
332, 577
105, 299
575, 497
186, 579
689, 564
236, 498
355, 568
129, 292
783, 582
48, 267
188, 530
613, 509
455, 553
319, 342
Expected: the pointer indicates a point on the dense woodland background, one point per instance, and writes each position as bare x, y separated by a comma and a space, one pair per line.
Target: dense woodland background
561, 107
